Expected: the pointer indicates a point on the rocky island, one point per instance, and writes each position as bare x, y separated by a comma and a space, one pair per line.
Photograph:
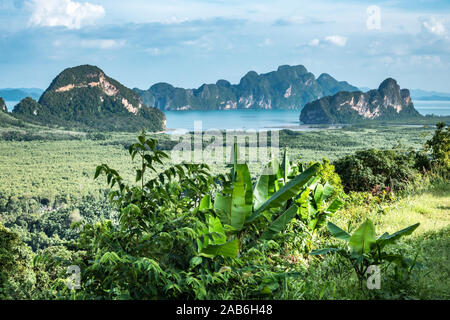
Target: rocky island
388, 102
86, 96
290, 87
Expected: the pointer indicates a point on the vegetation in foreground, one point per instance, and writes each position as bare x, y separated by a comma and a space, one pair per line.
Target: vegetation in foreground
187, 233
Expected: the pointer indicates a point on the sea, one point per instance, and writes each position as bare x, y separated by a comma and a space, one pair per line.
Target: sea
181, 121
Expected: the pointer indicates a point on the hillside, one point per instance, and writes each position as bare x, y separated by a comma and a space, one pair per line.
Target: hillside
290, 87
85, 96
387, 102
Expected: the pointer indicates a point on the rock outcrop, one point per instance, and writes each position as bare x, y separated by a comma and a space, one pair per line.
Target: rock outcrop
387, 102
290, 87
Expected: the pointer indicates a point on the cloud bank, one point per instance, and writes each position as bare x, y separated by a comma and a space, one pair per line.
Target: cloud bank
65, 13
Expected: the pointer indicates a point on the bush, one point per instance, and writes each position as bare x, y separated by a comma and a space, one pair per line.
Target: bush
439, 145
369, 169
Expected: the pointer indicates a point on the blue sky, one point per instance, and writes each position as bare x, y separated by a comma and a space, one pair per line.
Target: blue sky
191, 42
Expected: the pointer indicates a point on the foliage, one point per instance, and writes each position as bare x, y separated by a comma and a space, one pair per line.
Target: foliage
367, 169
439, 145
171, 225
366, 249
152, 253
16, 276
47, 186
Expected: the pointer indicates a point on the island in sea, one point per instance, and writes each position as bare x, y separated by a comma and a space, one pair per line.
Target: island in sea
386, 103
289, 87
85, 97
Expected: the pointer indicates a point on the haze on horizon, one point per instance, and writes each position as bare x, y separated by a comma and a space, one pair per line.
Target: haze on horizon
191, 42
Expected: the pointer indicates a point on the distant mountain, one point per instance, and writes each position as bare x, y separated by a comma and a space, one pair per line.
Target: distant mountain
387, 102
418, 94
18, 94
290, 87
85, 96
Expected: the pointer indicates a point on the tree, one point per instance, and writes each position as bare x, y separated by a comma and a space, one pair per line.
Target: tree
439, 145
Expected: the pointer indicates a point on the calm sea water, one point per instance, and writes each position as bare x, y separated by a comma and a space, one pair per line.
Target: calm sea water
259, 119
438, 108
267, 119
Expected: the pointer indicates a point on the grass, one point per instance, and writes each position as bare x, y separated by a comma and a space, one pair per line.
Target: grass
330, 279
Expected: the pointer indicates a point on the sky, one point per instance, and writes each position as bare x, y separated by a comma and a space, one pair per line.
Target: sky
191, 42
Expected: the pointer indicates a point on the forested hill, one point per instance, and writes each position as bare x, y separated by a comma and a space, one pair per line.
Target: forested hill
86, 96
290, 87
387, 103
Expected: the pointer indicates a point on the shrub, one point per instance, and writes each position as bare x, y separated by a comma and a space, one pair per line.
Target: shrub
367, 169
439, 145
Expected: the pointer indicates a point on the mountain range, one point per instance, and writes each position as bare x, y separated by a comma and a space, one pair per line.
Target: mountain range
388, 102
290, 87
17, 94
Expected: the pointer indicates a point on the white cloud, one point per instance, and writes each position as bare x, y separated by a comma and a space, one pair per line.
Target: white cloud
102, 43
314, 42
337, 40
434, 26
66, 13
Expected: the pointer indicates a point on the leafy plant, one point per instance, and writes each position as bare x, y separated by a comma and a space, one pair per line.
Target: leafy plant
315, 210
364, 248
439, 145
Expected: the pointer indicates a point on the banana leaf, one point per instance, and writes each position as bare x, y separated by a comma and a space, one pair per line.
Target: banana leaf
363, 238
280, 223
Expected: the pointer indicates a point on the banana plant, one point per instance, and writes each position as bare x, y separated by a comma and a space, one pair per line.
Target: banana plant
314, 209
238, 204
364, 248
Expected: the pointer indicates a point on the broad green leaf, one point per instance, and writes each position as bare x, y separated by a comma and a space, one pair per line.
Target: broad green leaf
240, 209
243, 177
327, 191
261, 191
205, 203
335, 205
337, 232
291, 189
228, 249
318, 195
386, 238
233, 210
280, 223
215, 228
363, 238
222, 207
266, 185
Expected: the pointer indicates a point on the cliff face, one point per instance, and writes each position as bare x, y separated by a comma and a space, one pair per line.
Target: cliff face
387, 102
86, 95
290, 87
